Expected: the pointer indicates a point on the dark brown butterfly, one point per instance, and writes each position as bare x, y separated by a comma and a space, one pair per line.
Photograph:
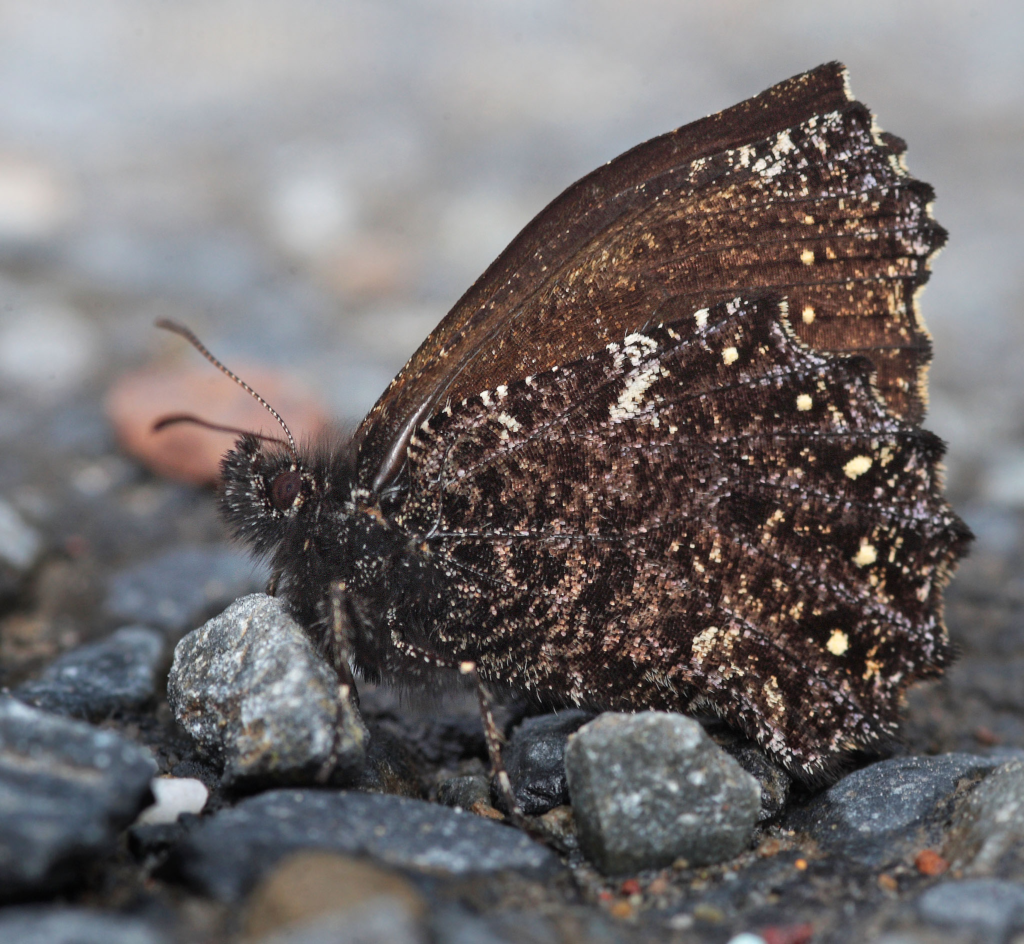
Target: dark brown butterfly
663, 454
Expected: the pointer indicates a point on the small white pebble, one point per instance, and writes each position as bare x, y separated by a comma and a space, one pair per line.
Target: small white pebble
174, 796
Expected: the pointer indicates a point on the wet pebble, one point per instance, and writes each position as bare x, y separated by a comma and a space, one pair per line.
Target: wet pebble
988, 822
20, 548
226, 854
535, 760
991, 906
313, 886
98, 680
379, 922
875, 815
175, 591
251, 689
651, 788
40, 924
67, 789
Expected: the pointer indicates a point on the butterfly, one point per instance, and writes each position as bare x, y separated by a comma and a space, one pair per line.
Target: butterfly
665, 453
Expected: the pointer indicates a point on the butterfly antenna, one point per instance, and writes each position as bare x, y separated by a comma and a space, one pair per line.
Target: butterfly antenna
176, 418
184, 332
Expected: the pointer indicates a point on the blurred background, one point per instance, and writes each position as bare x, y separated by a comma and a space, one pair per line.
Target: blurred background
314, 184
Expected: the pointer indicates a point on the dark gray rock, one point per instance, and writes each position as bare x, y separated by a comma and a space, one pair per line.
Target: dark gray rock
988, 822
995, 681
465, 792
55, 925
988, 905
252, 691
230, 851
66, 790
391, 766
535, 760
178, 589
775, 782
20, 548
98, 680
651, 788
876, 815
456, 925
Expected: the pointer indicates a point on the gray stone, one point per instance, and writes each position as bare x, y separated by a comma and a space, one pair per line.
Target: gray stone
254, 693
178, 589
66, 790
650, 788
988, 822
535, 760
876, 815
988, 905
98, 680
56, 925
230, 851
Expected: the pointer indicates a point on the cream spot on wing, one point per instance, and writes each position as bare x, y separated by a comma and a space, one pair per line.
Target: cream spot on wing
703, 643
809, 220
631, 398
485, 397
502, 391
509, 422
871, 668
857, 466
804, 402
807, 257
838, 642
730, 355
773, 696
701, 317
867, 554
808, 314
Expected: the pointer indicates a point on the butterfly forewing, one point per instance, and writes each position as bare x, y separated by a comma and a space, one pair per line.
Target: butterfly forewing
793, 190
706, 513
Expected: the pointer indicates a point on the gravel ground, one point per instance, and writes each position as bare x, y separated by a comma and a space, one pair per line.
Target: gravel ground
312, 186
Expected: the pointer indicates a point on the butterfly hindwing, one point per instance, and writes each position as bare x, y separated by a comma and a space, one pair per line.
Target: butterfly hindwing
703, 513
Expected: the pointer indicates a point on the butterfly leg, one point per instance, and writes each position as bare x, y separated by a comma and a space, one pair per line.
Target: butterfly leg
530, 825
348, 696
492, 735
341, 639
272, 583
494, 738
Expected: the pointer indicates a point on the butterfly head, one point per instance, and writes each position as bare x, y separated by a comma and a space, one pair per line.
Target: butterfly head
264, 491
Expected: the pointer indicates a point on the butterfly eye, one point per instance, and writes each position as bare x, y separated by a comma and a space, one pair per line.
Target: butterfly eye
286, 487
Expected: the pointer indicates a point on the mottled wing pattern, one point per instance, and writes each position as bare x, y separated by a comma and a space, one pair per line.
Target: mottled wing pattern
794, 191
704, 514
